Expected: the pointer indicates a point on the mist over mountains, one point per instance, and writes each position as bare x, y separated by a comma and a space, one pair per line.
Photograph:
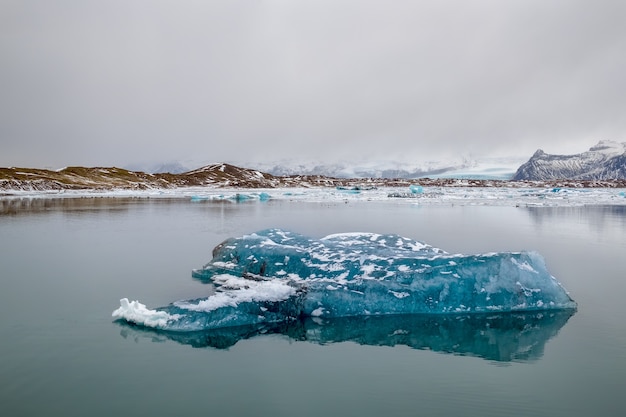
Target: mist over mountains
468, 168
464, 167
604, 161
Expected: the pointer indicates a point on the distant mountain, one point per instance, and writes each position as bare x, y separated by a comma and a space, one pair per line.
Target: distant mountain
81, 178
173, 167
604, 161
488, 168
19, 180
219, 175
462, 168
352, 169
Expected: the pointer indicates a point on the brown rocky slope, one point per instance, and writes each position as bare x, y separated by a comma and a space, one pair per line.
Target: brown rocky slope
226, 175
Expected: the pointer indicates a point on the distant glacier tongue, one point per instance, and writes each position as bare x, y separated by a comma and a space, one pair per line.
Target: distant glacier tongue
275, 275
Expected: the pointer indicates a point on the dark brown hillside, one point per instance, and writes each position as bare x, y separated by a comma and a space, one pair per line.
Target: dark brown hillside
226, 175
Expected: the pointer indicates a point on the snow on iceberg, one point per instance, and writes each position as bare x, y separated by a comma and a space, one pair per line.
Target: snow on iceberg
274, 276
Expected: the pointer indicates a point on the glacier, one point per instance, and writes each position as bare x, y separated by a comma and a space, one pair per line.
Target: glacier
277, 276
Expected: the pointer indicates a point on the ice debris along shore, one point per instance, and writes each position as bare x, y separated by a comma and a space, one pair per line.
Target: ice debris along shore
274, 275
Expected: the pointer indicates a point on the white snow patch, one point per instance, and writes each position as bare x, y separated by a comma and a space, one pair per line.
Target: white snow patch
525, 266
242, 291
317, 312
368, 269
400, 295
135, 312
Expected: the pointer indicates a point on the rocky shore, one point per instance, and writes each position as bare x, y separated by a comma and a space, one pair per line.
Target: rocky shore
229, 176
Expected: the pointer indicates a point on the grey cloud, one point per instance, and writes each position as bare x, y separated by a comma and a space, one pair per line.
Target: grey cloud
116, 82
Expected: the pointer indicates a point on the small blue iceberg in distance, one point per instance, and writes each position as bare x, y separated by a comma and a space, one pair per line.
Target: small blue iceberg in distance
275, 276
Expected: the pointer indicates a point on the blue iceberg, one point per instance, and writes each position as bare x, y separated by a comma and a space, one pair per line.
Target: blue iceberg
273, 276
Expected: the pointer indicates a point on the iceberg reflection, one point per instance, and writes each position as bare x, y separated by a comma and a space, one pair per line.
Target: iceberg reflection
500, 337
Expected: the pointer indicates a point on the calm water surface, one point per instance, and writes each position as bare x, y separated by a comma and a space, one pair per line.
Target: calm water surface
64, 265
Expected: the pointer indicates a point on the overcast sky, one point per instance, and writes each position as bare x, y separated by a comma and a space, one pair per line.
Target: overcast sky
119, 82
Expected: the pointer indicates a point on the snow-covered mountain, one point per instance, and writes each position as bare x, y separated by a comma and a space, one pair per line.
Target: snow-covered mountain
352, 169
604, 161
170, 167
501, 168
494, 168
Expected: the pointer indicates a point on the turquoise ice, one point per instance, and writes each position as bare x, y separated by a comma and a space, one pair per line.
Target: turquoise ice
274, 275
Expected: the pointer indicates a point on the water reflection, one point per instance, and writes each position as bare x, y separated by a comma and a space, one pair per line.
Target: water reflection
30, 206
598, 218
26, 206
495, 337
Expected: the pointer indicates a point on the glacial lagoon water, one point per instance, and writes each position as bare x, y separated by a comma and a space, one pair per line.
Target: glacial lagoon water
65, 264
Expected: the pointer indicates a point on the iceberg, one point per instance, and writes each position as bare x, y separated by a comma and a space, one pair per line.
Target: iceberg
237, 197
276, 276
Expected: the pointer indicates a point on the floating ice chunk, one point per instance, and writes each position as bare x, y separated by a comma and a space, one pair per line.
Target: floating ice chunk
196, 198
239, 197
275, 275
253, 303
135, 312
349, 190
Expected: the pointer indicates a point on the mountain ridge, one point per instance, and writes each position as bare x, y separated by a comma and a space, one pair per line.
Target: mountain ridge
223, 175
467, 167
604, 161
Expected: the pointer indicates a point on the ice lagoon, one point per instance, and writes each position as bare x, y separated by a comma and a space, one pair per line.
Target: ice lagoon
65, 263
